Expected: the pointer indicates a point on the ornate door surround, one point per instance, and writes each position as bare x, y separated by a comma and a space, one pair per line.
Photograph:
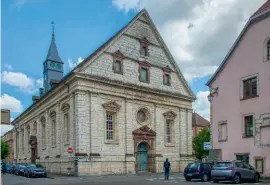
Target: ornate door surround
146, 136
33, 143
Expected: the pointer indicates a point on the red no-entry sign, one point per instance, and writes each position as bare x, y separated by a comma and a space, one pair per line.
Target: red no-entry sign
70, 150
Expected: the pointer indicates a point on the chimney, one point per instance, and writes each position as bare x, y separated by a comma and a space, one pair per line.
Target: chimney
35, 98
41, 92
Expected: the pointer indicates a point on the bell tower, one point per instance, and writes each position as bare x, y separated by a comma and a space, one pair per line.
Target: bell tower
53, 66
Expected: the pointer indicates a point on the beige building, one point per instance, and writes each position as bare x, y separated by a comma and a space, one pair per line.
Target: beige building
124, 109
5, 116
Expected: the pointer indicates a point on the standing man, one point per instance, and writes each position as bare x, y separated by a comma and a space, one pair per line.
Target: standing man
167, 167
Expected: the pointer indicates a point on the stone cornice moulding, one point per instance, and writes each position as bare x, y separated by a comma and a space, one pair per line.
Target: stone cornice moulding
111, 106
132, 86
170, 115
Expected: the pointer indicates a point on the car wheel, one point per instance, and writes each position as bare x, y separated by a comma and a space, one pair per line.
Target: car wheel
237, 179
256, 178
215, 181
204, 178
188, 179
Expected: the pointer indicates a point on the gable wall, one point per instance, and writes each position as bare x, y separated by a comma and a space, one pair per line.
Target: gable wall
129, 45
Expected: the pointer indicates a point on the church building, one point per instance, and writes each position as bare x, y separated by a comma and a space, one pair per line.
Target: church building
124, 109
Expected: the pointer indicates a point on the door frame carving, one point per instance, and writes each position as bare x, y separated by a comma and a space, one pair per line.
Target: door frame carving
147, 136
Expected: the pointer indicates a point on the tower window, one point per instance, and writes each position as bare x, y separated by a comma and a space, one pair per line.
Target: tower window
58, 66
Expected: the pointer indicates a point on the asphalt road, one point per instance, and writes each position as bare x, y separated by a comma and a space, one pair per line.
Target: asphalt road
148, 179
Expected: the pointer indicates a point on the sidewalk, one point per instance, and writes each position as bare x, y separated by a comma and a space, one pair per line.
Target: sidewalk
150, 175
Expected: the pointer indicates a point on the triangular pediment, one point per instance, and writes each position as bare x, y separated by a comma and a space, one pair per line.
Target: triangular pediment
144, 130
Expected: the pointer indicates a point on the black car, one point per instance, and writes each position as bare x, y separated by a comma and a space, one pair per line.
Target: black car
32, 170
12, 169
198, 171
19, 170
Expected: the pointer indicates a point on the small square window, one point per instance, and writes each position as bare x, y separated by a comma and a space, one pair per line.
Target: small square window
144, 74
248, 126
118, 68
166, 79
144, 51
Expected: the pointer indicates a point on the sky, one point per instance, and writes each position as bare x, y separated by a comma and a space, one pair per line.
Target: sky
199, 33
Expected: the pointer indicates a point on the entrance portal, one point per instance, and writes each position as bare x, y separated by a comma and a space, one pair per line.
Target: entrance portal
33, 143
142, 157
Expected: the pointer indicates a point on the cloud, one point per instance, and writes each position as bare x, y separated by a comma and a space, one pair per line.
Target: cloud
11, 103
202, 105
5, 129
199, 33
72, 64
21, 81
20, 3
8, 67
40, 82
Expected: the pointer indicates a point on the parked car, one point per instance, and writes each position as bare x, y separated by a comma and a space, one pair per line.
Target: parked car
198, 171
235, 171
12, 169
32, 170
19, 170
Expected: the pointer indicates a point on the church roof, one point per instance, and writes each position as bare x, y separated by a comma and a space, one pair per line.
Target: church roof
198, 120
53, 52
262, 13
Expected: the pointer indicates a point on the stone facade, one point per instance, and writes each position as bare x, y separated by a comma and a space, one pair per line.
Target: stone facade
94, 96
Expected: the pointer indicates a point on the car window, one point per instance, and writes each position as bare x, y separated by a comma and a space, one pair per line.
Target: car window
31, 166
246, 165
239, 165
223, 164
193, 165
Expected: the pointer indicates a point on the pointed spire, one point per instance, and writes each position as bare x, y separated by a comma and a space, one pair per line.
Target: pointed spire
53, 52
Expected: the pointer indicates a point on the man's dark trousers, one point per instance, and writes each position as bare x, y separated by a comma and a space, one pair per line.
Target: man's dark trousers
167, 174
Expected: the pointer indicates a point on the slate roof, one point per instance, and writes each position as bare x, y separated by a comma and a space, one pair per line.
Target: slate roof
198, 120
261, 13
53, 52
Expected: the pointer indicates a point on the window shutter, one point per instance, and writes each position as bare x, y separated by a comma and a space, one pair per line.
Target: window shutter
219, 132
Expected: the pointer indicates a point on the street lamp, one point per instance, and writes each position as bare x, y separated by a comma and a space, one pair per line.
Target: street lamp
210, 97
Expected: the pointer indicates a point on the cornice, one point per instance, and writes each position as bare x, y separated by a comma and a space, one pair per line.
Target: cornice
133, 86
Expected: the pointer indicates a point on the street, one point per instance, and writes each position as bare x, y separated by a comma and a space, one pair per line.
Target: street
141, 179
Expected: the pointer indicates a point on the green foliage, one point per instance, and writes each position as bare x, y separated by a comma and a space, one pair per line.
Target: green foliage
203, 136
4, 150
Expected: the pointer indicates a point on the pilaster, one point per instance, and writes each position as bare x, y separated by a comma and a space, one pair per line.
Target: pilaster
183, 131
189, 132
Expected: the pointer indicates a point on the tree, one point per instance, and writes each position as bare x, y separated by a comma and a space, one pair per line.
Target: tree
4, 150
203, 136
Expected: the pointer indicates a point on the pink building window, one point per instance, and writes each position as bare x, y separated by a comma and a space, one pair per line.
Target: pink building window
268, 50
250, 88
248, 126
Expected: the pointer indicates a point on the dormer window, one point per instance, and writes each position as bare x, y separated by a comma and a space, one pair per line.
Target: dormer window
167, 76
144, 47
144, 52
118, 62
166, 79
144, 72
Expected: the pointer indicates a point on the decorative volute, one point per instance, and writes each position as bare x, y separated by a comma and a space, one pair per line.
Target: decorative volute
65, 107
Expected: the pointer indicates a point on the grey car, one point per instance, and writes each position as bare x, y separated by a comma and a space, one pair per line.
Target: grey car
235, 171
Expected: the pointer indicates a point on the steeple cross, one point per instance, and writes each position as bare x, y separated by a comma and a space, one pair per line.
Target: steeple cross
52, 23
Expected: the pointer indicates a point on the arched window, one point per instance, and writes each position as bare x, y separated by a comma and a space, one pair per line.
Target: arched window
43, 135
65, 109
53, 129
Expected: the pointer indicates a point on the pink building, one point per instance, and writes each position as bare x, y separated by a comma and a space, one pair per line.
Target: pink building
240, 96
